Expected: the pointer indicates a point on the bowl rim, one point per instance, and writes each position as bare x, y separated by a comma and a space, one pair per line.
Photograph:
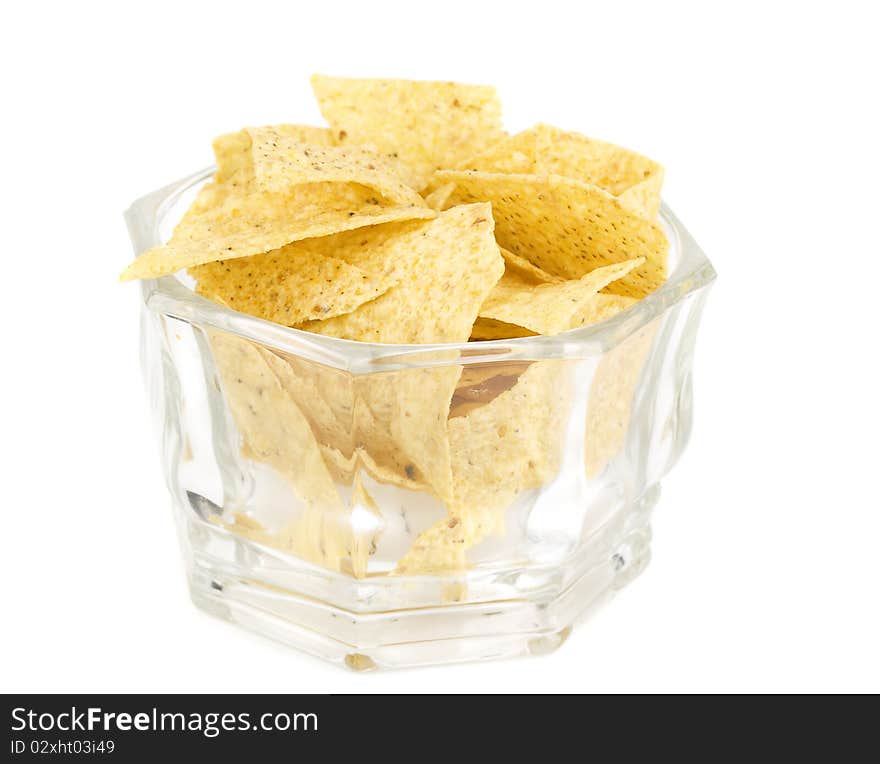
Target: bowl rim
169, 296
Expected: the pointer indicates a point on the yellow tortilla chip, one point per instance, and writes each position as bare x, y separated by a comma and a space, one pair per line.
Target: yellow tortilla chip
446, 266
288, 286
326, 398
271, 424
549, 308
513, 154
511, 444
598, 308
485, 329
566, 227
232, 154
373, 249
233, 150
546, 150
364, 540
281, 162
644, 197
402, 427
429, 124
392, 424
611, 394
633, 178
275, 432
601, 307
225, 223
437, 199
519, 264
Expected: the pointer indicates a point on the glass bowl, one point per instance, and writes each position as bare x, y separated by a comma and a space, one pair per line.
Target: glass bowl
384, 506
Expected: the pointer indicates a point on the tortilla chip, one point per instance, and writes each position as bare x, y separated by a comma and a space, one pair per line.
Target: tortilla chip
447, 267
275, 432
364, 539
523, 267
644, 197
512, 444
288, 286
487, 329
226, 223
635, 179
438, 198
545, 150
326, 398
402, 435
391, 424
601, 307
271, 424
281, 162
428, 124
566, 227
373, 249
513, 154
233, 150
548, 308
611, 395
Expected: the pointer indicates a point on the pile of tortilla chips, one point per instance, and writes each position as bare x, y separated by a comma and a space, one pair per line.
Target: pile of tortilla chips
414, 218
411, 218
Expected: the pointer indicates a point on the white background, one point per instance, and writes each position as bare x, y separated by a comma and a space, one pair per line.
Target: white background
765, 570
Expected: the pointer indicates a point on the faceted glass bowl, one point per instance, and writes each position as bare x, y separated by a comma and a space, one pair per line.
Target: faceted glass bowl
384, 506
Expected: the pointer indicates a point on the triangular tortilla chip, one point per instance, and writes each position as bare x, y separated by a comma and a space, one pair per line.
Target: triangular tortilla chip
275, 432
233, 150
325, 396
566, 227
226, 222
545, 150
486, 329
548, 308
364, 539
373, 249
601, 307
281, 162
633, 178
446, 269
611, 397
393, 424
288, 285
498, 450
519, 264
513, 154
403, 439
437, 198
429, 124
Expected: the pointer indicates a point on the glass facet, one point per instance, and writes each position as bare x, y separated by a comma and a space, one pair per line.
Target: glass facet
384, 506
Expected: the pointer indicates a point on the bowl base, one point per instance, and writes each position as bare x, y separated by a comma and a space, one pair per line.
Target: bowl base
382, 633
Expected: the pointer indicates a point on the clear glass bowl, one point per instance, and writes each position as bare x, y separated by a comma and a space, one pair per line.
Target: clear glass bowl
313, 478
